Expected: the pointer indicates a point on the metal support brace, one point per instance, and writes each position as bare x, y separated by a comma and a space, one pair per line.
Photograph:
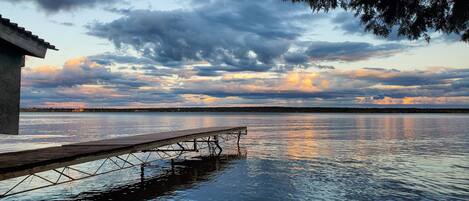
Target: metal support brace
115, 163
217, 144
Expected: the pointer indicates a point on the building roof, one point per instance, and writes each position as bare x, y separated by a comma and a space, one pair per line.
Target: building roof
23, 39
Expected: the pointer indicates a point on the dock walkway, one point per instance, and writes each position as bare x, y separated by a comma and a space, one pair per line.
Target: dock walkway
22, 163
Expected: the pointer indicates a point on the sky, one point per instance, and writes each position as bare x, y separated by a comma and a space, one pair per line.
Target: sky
211, 53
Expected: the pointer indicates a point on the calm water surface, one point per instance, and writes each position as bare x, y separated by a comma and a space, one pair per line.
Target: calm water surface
286, 157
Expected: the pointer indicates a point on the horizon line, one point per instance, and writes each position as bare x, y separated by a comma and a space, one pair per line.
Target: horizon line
274, 109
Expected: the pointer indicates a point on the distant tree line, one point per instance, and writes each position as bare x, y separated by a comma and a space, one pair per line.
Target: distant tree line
259, 109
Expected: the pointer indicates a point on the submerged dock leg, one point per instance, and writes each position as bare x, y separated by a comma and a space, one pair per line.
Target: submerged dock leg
107, 161
239, 138
218, 144
195, 145
172, 166
142, 173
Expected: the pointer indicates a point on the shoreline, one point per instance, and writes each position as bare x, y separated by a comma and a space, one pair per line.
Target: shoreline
259, 110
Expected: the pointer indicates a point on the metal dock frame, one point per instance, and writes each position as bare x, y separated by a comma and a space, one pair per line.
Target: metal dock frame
117, 154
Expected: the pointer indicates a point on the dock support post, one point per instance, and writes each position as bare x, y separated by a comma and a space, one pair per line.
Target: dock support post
208, 144
172, 166
195, 145
142, 173
109, 160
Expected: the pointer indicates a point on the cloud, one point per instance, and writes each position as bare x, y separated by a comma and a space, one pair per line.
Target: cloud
433, 76
87, 82
83, 81
64, 5
349, 87
415, 100
77, 71
139, 65
351, 51
227, 34
232, 36
110, 58
231, 52
296, 58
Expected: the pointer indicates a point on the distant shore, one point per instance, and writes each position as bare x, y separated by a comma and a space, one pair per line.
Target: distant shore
259, 110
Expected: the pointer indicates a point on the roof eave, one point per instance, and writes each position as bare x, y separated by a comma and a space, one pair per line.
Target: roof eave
30, 44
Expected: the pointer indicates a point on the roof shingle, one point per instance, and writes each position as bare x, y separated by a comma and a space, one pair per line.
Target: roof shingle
26, 33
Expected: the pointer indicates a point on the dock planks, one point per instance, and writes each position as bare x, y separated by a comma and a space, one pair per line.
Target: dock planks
15, 164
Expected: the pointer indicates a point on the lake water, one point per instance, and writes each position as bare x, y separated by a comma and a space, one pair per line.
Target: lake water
285, 157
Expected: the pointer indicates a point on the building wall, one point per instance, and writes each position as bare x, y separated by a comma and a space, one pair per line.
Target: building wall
10, 78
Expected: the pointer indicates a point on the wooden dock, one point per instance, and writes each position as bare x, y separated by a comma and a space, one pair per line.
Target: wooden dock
22, 163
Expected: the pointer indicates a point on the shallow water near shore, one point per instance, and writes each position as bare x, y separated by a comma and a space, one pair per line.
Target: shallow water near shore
285, 157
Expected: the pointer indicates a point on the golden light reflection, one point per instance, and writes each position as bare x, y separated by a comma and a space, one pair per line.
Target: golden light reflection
408, 124
302, 144
360, 123
390, 126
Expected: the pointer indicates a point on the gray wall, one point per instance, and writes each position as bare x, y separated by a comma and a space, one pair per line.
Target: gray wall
10, 78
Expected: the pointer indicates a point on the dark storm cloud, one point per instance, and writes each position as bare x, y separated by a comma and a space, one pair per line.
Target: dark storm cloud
296, 58
230, 36
224, 33
62, 5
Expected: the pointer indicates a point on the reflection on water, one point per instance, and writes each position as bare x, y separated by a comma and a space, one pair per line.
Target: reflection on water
301, 145
185, 174
290, 156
